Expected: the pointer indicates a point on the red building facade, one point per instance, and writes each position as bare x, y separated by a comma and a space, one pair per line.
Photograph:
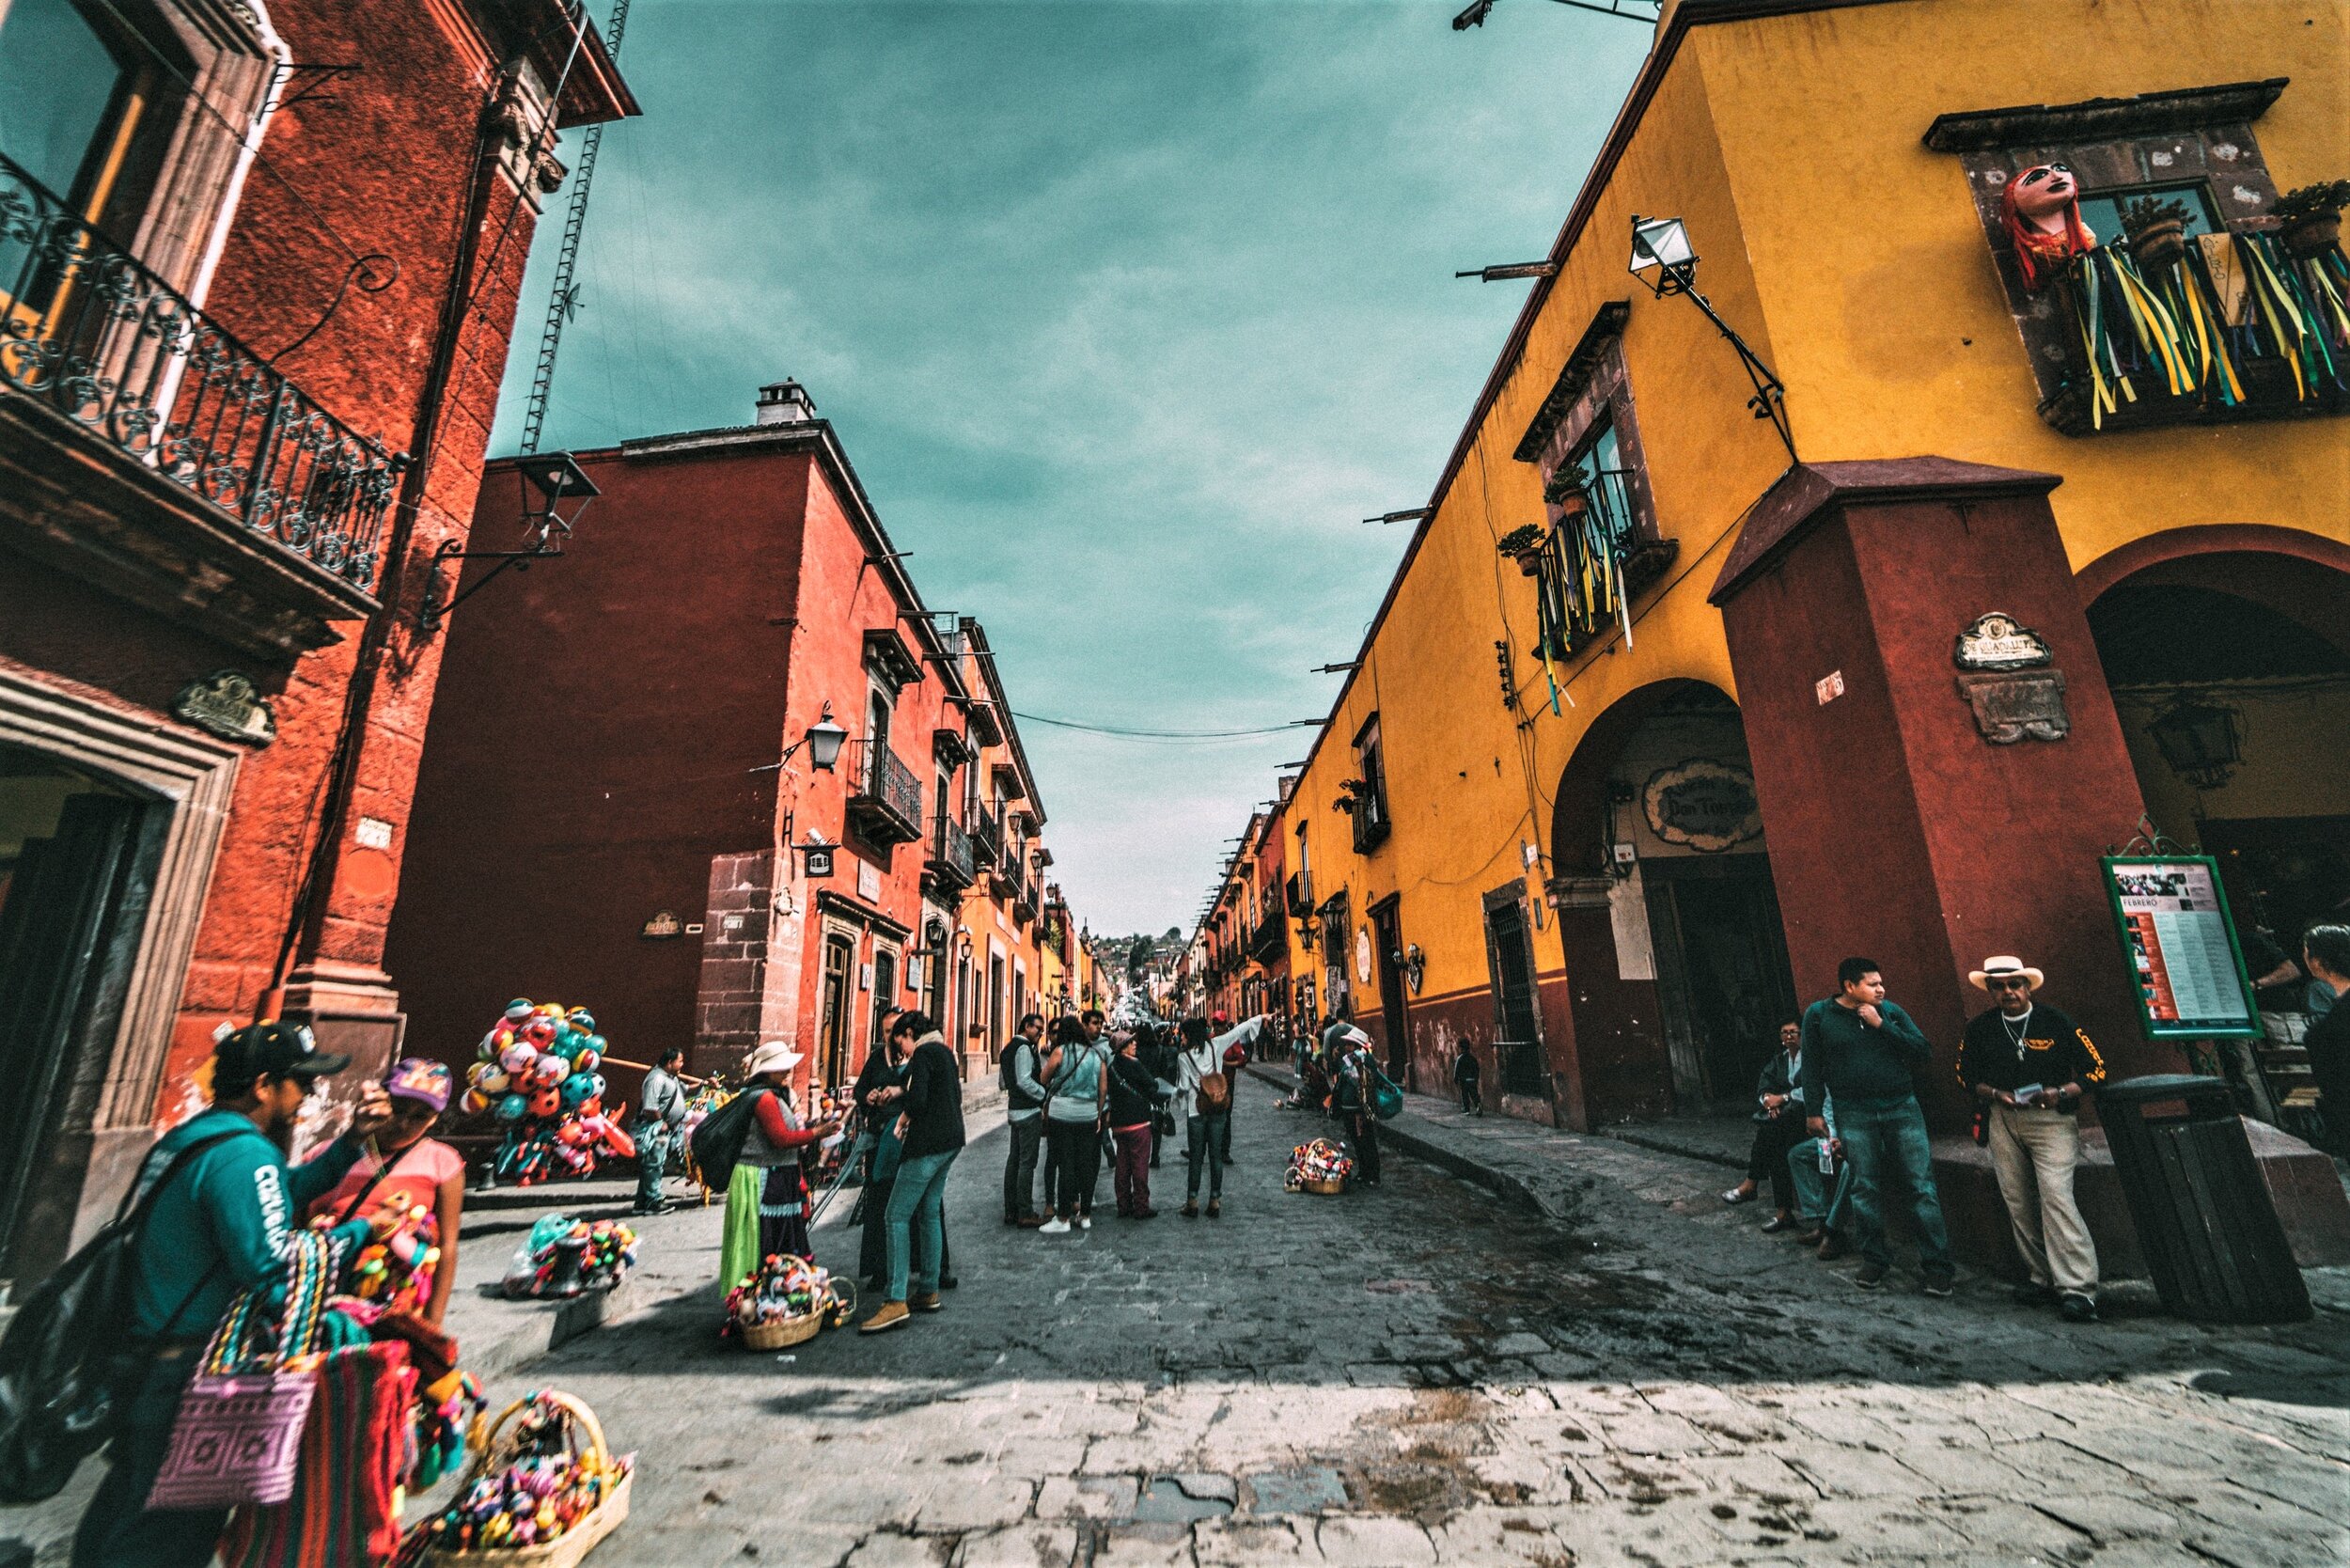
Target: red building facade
257, 313
622, 804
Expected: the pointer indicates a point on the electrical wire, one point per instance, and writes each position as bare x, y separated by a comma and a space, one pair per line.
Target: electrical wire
1151, 734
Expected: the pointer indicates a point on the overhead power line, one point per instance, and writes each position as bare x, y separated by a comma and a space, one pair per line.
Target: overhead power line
1151, 734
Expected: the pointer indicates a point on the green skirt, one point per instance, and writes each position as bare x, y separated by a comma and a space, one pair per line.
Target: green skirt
738, 1253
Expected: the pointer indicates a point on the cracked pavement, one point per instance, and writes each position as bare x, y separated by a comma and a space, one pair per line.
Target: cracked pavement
1421, 1374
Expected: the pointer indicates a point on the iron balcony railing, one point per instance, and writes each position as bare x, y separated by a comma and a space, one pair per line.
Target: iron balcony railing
92, 334
950, 851
887, 802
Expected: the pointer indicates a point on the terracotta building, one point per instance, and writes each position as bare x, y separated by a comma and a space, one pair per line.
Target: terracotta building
1694, 680
257, 312
629, 800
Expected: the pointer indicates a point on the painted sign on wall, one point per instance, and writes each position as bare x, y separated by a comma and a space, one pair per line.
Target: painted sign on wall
1705, 804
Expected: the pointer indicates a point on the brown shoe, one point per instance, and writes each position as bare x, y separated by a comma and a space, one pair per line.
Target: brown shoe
1813, 1237
930, 1303
889, 1316
1833, 1248
1030, 1222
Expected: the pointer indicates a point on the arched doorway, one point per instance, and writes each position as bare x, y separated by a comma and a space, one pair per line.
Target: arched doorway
1676, 969
2230, 677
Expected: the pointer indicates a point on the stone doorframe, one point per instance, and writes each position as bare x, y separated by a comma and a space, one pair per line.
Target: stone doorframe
194, 776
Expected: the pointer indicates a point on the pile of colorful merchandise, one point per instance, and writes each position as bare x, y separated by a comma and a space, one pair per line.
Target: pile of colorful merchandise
565, 1257
1321, 1167
393, 1272
538, 1077
536, 1484
448, 1421
785, 1302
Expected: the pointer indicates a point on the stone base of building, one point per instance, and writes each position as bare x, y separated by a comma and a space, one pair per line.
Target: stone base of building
2302, 1182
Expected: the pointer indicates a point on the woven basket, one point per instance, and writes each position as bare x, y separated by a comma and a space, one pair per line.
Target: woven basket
567, 1549
782, 1332
1329, 1186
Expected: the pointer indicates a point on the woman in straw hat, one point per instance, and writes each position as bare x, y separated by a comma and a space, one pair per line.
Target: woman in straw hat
767, 1197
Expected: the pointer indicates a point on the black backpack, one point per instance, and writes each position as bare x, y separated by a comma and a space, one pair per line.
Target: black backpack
718, 1142
65, 1373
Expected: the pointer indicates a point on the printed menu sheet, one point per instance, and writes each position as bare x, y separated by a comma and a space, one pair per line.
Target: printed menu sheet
2175, 926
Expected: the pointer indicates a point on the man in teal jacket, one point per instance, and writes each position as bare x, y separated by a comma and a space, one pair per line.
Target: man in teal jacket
1865, 1051
222, 1226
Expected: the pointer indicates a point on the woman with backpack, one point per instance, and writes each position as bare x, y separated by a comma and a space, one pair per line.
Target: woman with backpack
1203, 1092
1356, 1099
767, 1195
1076, 1099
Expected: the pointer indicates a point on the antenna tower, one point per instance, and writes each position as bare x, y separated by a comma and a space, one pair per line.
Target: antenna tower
564, 302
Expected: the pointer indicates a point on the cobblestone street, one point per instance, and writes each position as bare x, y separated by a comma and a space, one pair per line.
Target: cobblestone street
1418, 1374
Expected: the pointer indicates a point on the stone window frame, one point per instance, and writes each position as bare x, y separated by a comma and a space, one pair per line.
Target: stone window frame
1594, 385
2179, 137
195, 777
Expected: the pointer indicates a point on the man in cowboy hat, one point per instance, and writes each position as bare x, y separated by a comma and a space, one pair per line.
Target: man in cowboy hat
2027, 1066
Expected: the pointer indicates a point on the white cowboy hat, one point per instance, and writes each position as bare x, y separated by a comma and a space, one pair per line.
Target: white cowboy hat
777, 1056
1355, 1038
2004, 964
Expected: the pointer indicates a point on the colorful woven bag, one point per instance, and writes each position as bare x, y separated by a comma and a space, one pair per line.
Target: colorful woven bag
344, 1511
239, 1431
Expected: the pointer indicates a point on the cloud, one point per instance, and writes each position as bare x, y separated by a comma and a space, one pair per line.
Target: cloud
1126, 312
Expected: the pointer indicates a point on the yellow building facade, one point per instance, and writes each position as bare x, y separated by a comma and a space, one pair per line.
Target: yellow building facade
1607, 842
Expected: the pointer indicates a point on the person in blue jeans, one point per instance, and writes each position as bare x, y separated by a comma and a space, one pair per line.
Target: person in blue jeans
1864, 1051
931, 1135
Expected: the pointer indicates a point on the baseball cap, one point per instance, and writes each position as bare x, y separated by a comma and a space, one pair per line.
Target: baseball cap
416, 1078
272, 1049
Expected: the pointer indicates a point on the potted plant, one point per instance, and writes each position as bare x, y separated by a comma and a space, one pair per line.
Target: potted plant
1570, 492
2157, 229
2310, 218
1525, 546
1352, 793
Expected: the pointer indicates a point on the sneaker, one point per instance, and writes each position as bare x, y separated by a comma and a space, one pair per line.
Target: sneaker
926, 1303
1084, 1222
1870, 1276
1835, 1246
889, 1316
1216, 1208
1191, 1208
1736, 1196
2031, 1293
1937, 1281
1055, 1227
2078, 1306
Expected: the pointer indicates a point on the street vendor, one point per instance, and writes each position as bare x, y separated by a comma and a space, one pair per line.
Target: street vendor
767, 1198
661, 1107
410, 1187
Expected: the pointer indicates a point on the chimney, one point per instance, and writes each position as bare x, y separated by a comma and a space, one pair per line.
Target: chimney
785, 403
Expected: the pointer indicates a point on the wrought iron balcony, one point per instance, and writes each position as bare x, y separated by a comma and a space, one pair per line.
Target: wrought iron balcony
103, 347
885, 805
1024, 898
987, 840
1588, 566
949, 865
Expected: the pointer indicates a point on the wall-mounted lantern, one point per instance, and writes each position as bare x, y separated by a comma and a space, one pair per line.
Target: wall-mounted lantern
550, 481
2197, 742
1663, 258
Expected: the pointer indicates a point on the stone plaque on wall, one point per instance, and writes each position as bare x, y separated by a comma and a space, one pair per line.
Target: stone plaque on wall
2018, 705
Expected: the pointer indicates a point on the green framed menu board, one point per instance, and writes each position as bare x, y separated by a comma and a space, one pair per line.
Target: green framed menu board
2189, 970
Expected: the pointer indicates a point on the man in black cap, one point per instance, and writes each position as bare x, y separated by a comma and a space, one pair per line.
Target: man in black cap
219, 1227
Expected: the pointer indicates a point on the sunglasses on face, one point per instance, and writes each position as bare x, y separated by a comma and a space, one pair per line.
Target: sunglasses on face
2011, 985
2046, 171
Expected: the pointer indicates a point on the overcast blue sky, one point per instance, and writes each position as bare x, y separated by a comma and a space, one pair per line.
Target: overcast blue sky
1126, 311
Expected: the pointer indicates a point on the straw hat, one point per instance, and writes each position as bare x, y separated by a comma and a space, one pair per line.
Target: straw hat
2000, 967
777, 1056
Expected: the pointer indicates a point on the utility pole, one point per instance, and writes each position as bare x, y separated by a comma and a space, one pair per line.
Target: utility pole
563, 302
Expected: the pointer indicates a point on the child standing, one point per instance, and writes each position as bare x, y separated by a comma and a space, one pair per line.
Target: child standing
1465, 1073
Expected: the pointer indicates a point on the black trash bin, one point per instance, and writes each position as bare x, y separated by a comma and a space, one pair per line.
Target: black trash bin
2210, 1234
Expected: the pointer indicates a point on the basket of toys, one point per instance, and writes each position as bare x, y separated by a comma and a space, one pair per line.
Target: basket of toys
1320, 1167
544, 1489
787, 1303
565, 1257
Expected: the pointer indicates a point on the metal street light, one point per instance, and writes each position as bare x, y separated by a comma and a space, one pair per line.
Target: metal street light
548, 479
1663, 259
2197, 742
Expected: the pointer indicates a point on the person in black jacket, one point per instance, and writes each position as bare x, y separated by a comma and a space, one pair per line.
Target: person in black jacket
2027, 1066
1134, 1101
930, 1137
1777, 1127
2326, 954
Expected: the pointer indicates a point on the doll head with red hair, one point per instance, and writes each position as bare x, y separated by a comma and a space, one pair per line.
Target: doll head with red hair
2041, 210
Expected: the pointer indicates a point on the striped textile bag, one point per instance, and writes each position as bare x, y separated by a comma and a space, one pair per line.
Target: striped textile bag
345, 1508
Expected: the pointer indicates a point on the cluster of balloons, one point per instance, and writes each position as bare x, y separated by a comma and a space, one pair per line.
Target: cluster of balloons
537, 1073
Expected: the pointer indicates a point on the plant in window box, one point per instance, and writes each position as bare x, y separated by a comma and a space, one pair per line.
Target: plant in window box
2157, 229
1354, 794
1524, 545
2311, 218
